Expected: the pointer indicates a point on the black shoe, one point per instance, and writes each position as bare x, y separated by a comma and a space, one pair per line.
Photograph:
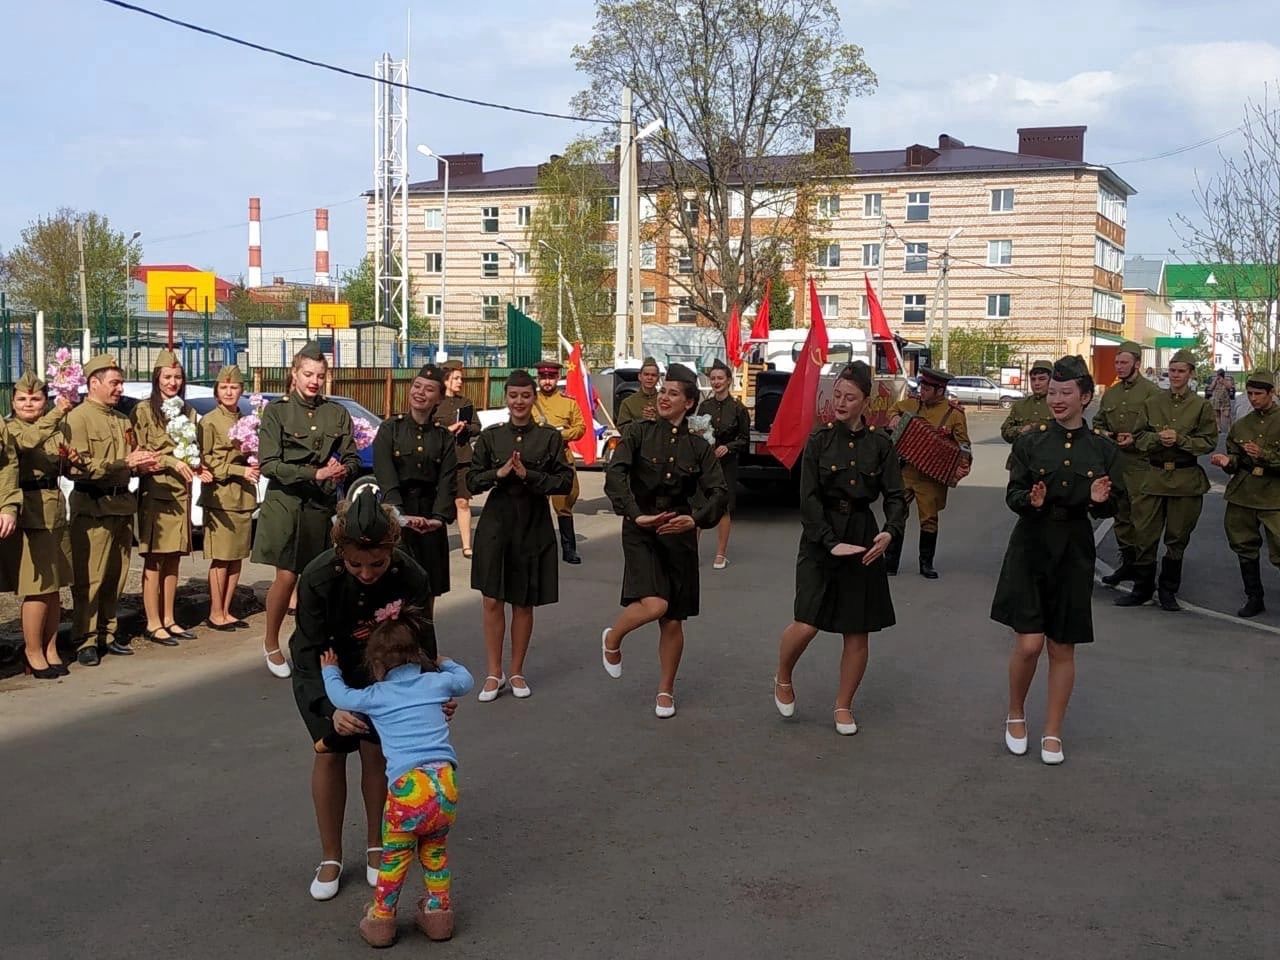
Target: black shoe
47, 672
568, 540
1169, 583
928, 546
1252, 607
1144, 587
1168, 600
88, 657
119, 649
154, 637
220, 627
241, 624
1251, 574
176, 631
61, 668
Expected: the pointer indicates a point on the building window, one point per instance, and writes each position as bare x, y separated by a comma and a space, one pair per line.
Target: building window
433, 219
1112, 206
1002, 200
524, 216
1107, 256
524, 303
686, 313
648, 207
684, 262
489, 265
871, 254
829, 206
489, 308
1235, 359
689, 211
435, 262
871, 204
489, 219
999, 253
917, 260
1108, 307
609, 209
648, 255
997, 306
522, 264
829, 255
432, 306
648, 301
608, 251
918, 206
829, 304
913, 308
864, 307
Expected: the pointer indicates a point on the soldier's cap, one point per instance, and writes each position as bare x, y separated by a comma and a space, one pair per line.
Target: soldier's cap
649, 362
1044, 365
859, 374
1129, 346
718, 364
1184, 356
450, 365
165, 358
549, 368
367, 523
310, 351
230, 373
679, 373
431, 372
28, 383
1070, 368
100, 364
935, 378
519, 378
1258, 379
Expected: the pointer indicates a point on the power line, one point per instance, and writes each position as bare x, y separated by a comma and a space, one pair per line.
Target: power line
243, 223
262, 48
1186, 147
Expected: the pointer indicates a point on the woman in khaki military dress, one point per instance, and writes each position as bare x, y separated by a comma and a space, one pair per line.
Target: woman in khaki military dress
457, 414
37, 562
164, 502
228, 501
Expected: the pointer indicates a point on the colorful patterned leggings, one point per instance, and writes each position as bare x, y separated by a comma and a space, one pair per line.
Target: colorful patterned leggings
421, 807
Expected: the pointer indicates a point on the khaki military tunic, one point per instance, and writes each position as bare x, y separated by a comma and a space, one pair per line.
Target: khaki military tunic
1253, 492
560, 413
415, 465
731, 424
230, 500
164, 498
37, 560
843, 471
1028, 412
515, 557
633, 408
448, 412
1172, 490
102, 511
929, 495
1119, 411
296, 438
10, 503
658, 467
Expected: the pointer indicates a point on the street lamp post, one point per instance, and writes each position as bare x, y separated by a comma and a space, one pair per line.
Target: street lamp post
559, 298
628, 227
426, 151
511, 250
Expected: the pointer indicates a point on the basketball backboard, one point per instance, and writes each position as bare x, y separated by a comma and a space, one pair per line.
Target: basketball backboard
328, 316
192, 291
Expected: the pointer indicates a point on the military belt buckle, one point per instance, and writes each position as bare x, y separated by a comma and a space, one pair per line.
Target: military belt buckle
1257, 471
1169, 464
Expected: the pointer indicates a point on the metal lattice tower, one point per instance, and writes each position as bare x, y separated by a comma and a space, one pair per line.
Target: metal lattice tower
391, 196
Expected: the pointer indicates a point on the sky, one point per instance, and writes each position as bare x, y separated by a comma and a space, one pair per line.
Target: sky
169, 132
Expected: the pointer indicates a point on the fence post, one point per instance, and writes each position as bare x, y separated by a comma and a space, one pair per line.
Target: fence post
485, 393
386, 401
7, 344
257, 380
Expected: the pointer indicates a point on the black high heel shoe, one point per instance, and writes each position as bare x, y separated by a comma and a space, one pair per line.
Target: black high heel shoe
44, 673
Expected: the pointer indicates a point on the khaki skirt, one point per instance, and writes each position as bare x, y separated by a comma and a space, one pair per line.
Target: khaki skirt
164, 526
36, 562
228, 534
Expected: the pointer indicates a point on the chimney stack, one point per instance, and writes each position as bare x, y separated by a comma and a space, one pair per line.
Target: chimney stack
322, 248
255, 242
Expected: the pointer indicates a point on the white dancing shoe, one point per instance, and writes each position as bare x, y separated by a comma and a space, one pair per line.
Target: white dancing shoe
1051, 757
487, 696
661, 712
281, 670
326, 889
1017, 745
520, 693
612, 669
371, 873
786, 709
846, 729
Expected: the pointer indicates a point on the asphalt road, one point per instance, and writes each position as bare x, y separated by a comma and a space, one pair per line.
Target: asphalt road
160, 806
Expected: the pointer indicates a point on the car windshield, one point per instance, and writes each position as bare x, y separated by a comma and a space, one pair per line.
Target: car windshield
203, 405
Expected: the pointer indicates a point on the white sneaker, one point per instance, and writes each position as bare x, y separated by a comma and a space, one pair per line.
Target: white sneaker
281, 670
661, 712
786, 709
1017, 745
487, 696
846, 729
520, 693
612, 669
326, 889
371, 873
1051, 757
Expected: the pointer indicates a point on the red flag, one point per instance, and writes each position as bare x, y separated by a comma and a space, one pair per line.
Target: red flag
760, 328
577, 389
733, 338
794, 420
880, 327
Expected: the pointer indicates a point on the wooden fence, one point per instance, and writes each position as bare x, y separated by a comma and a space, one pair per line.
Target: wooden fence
385, 390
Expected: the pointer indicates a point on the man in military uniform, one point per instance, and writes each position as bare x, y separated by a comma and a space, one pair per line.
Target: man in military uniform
929, 495
643, 404
1253, 493
1028, 413
102, 458
1175, 429
1118, 413
553, 409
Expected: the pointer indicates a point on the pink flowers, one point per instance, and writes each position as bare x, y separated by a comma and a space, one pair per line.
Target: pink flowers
64, 376
390, 612
362, 432
244, 432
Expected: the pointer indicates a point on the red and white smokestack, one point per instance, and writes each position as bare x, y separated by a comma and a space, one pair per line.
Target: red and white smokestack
255, 242
322, 248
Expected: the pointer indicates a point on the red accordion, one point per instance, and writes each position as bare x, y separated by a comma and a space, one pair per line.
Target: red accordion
930, 450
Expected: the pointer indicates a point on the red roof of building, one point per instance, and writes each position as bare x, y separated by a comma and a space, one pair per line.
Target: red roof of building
222, 287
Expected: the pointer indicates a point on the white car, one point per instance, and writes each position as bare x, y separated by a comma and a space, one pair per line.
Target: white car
982, 390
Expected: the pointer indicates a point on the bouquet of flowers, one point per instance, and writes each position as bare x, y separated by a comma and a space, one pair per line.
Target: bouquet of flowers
64, 376
701, 426
244, 432
182, 431
363, 433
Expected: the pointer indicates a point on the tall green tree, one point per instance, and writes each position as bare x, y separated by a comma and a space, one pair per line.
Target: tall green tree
741, 86
357, 288
44, 268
